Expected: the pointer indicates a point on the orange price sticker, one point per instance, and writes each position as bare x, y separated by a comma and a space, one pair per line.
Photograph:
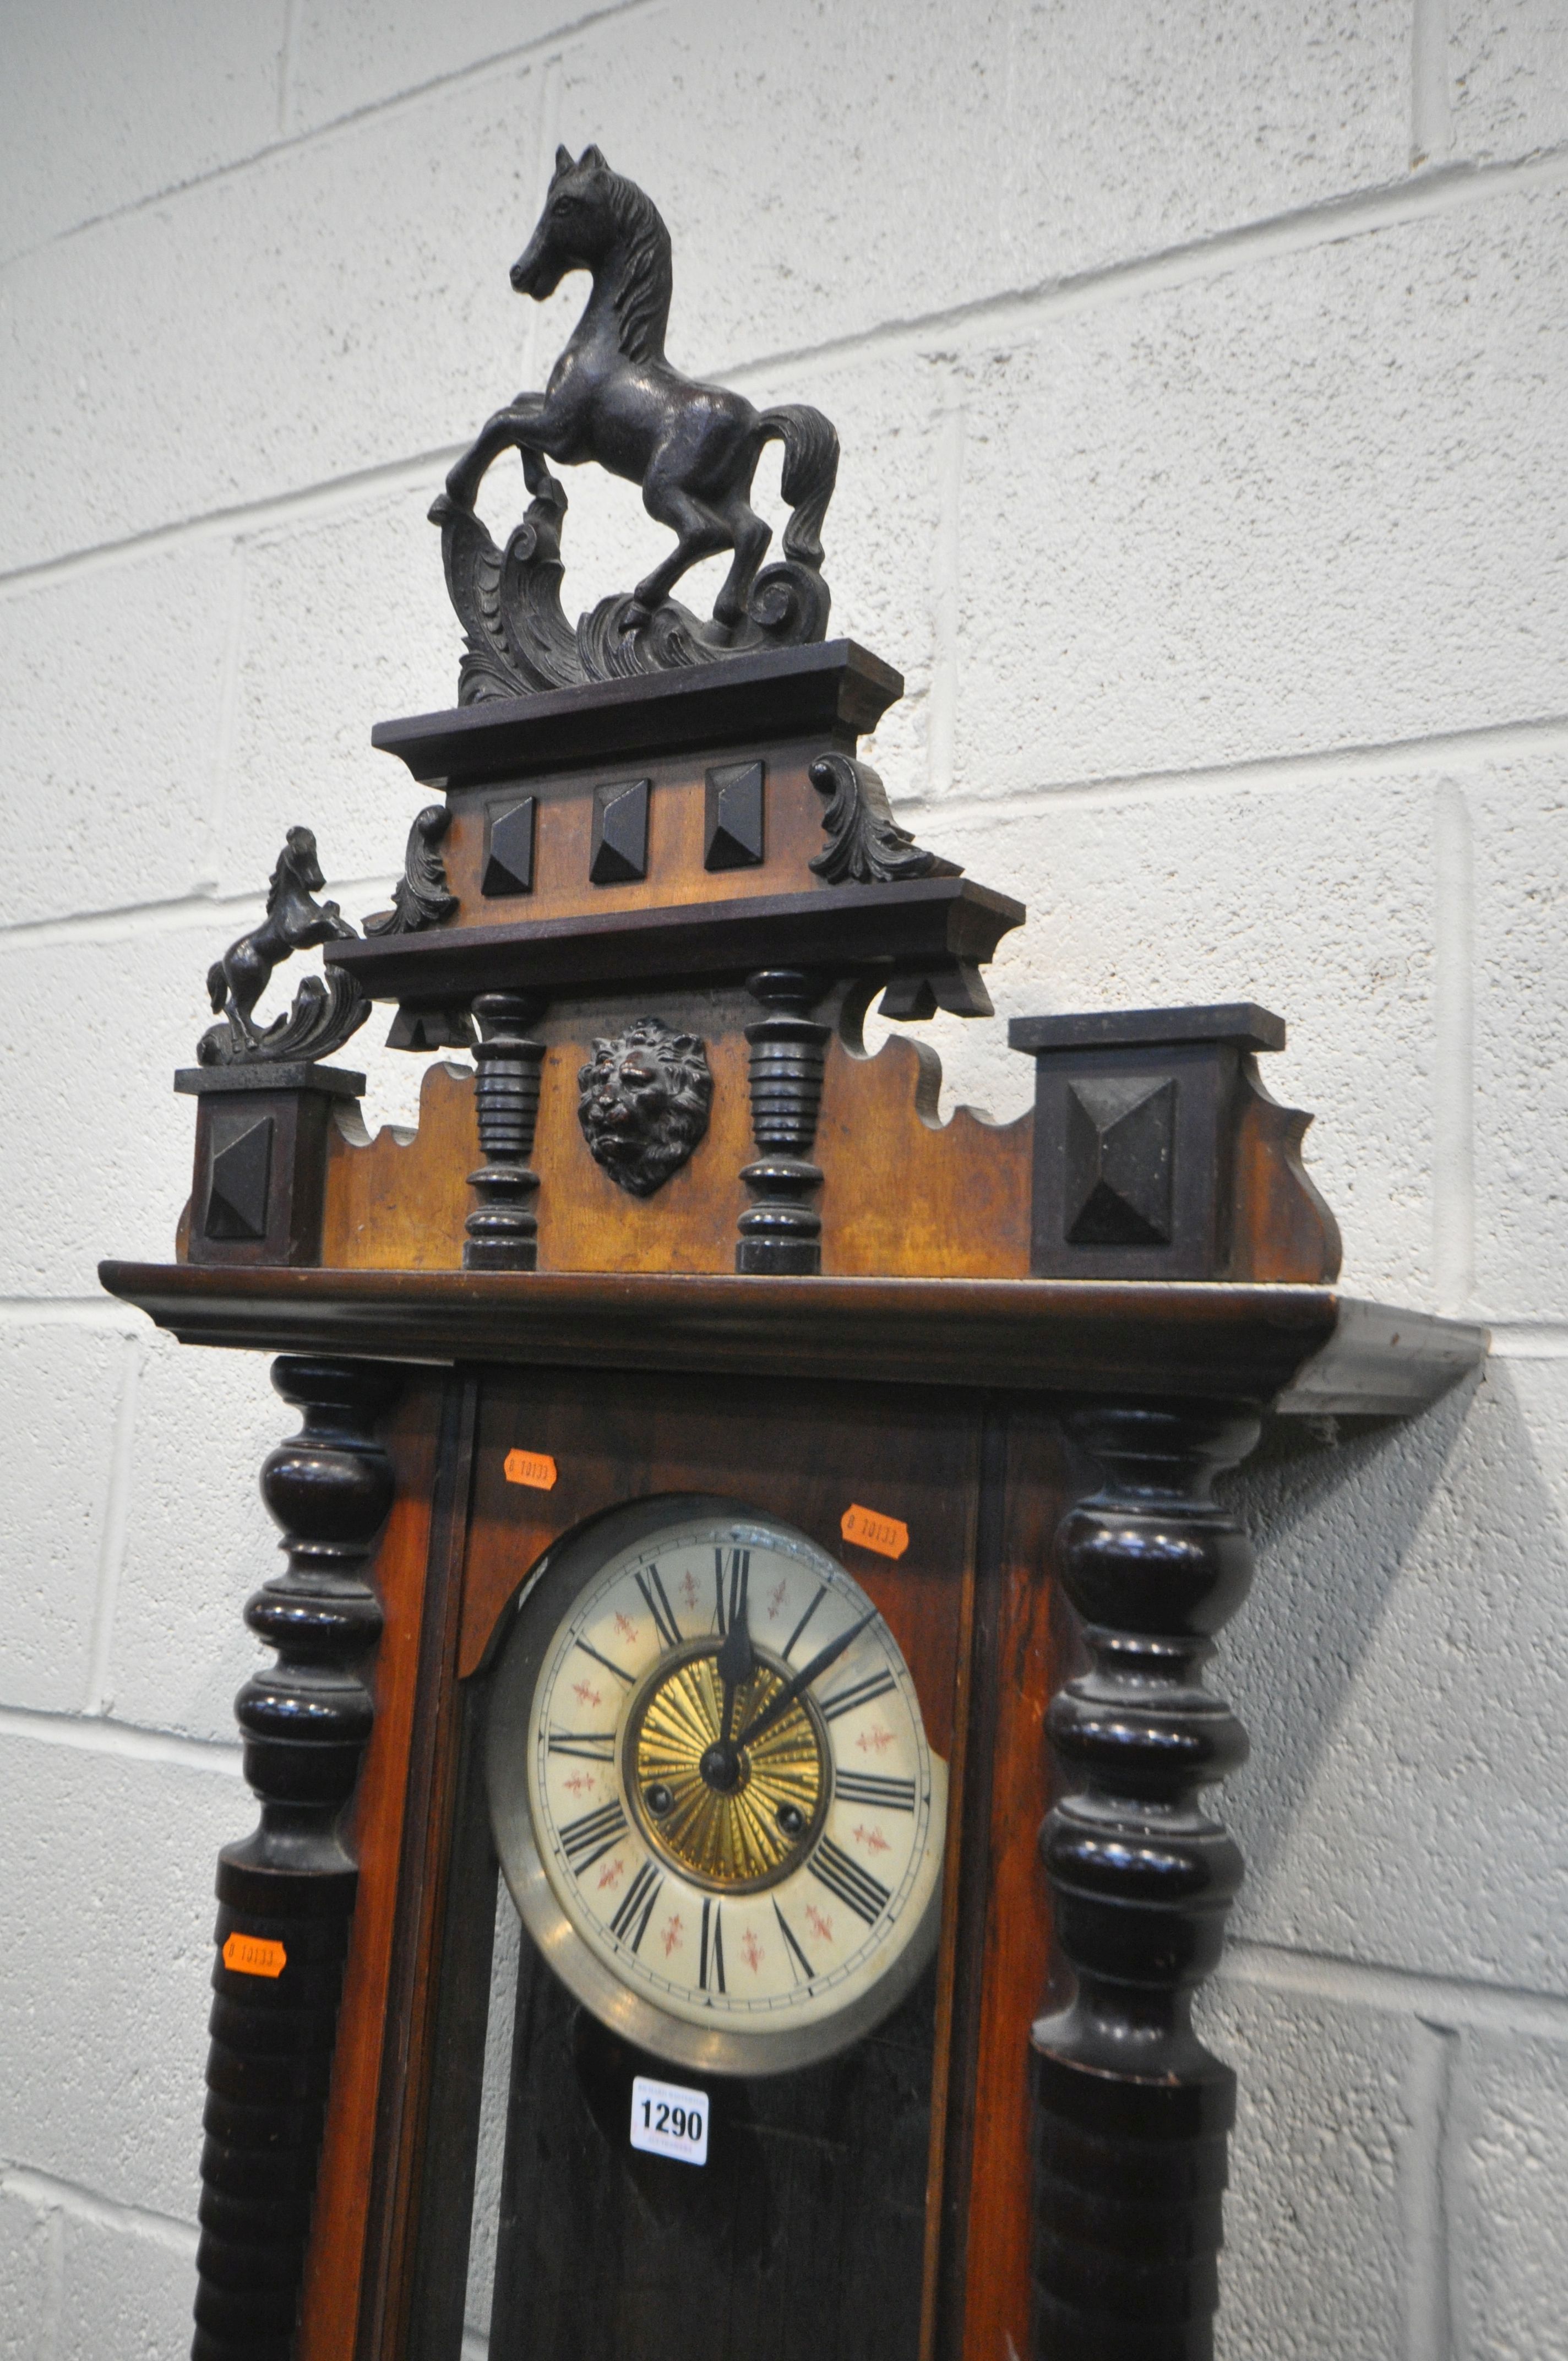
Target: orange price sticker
254, 1955
535, 1467
889, 1536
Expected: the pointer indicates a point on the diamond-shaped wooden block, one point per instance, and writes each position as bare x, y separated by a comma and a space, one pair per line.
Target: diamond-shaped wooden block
509, 848
238, 1191
620, 854
733, 833
1120, 1131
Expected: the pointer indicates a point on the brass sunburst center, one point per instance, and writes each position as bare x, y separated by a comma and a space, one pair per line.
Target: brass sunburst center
752, 1832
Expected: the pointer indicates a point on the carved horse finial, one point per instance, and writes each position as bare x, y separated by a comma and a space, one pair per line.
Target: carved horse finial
325, 1011
613, 396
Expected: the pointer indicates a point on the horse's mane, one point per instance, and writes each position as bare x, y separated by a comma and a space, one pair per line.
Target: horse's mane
286, 868
642, 298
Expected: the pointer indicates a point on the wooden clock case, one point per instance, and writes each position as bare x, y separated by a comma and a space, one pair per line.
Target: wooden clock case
1033, 1345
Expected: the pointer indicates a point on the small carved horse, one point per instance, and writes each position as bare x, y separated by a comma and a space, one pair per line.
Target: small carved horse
613, 396
293, 922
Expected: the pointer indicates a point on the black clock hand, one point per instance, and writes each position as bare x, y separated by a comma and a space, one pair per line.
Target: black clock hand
777, 1707
736, 1661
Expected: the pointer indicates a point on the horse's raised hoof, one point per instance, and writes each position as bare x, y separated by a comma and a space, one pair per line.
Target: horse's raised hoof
441, 507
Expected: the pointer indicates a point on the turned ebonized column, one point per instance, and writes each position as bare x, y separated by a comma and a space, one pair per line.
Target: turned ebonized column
1132, 2113
781, 1231
286, 1893
503, 1229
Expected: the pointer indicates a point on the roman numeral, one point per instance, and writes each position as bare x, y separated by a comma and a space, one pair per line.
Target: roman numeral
587, 1745
866, 1895
740, 1582
789, 1644
589, 1839
637, 1905
795, 1953
659, 1608
710, 1958
881, 1795
605, 1661
858, 1694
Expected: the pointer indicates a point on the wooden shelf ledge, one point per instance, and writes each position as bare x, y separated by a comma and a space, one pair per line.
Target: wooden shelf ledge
1299, 1349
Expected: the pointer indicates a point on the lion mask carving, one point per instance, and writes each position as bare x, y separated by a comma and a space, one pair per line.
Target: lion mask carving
643, 1103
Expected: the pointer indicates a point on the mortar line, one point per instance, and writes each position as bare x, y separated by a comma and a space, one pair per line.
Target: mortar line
286, 49
1330, 221
331, 496
48, 2190
496, 63
116, 1530
125, 1741
1328, 765
1454, 1085
132, 921
942, 698
1462, 2002
1018, 312
1423, 2192
548, 133
1431, 128
71, 1311
1529, 1339
1483, 742
51, 2325
226, 735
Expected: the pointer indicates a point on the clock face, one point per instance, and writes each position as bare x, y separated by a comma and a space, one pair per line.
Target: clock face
712, 1793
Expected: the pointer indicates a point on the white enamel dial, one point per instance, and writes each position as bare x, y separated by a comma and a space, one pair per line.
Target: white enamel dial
713, 1794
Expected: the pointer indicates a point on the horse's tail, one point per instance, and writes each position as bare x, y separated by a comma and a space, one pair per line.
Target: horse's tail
810, 471
217, 985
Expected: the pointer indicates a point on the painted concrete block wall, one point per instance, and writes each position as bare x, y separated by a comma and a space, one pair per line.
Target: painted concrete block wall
1199, 366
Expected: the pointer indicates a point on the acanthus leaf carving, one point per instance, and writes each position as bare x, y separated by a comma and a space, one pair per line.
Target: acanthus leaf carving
865, 844
422, 898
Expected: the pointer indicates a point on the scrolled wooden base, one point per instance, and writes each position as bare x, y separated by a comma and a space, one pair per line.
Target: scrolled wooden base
286, 1893
1132, 2113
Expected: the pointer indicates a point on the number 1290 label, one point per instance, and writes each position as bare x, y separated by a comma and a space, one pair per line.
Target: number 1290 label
668, 2120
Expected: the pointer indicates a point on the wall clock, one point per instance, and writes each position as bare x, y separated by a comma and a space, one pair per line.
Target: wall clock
981, 1379
712, 1793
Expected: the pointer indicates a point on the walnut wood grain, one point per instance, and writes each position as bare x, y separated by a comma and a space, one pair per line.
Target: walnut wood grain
407, 2046
398, 1201
1283, 1227
676, 873
334, 2258
802, 1452
903, 1194
985, 2301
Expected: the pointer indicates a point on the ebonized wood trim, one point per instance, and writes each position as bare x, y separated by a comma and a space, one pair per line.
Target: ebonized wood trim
1298, 1348
925, 919
835, 685
286, 1893
1132, 2113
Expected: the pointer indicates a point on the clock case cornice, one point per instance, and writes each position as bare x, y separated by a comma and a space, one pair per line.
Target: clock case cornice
1302, 1350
